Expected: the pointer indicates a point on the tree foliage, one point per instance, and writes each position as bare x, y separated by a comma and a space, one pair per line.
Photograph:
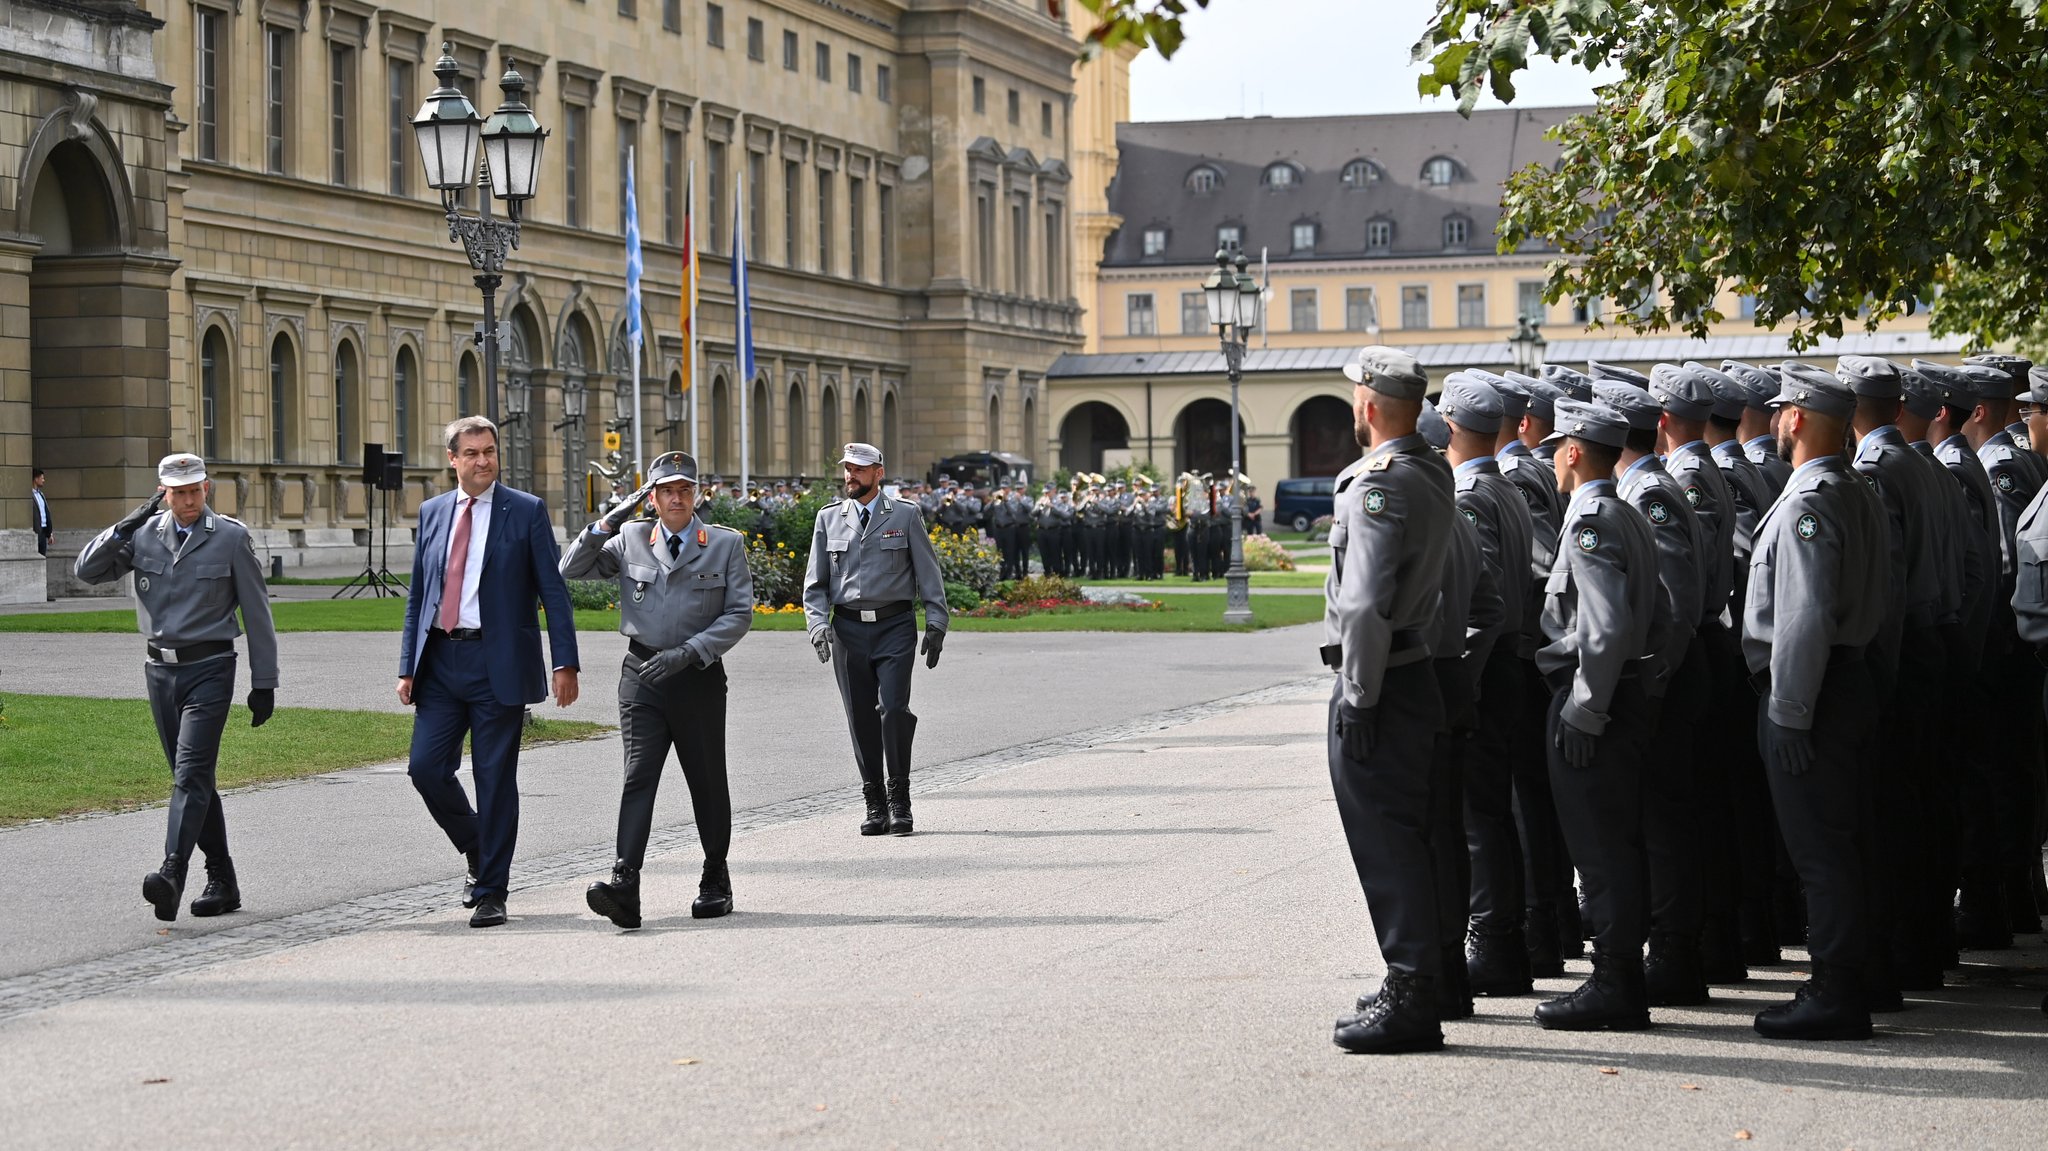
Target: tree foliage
1151, 24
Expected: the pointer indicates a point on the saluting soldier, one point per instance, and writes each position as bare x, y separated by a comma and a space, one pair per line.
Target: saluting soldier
686, 597
194, 568
1817, 591
871, 561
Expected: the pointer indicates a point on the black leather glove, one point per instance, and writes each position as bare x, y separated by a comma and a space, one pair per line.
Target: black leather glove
666, 663
629, 507
823, 641
139, 516
1578, 746
1355, 729
934, 642
1788, 749
262, 701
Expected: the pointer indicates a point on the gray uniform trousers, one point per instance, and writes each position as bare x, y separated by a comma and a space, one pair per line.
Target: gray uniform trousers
190, 705
1384, 804
687, 712
872, 661
1601, 808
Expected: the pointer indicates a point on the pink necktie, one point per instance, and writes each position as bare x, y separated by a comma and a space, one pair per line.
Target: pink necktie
458, 566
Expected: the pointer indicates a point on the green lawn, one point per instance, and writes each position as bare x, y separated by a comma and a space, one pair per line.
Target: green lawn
1259, 580
61, 755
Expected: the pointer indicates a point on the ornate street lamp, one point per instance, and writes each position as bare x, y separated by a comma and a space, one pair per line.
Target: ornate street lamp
1527, 345
1235, 299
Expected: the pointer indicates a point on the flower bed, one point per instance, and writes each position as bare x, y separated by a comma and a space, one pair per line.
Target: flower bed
1264, 554
1004, 609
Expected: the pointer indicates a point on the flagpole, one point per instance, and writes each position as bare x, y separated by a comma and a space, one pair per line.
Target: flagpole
639, 457
741, 315
690, 275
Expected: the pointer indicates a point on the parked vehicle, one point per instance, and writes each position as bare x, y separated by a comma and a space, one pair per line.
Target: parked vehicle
1299, 502
983, 469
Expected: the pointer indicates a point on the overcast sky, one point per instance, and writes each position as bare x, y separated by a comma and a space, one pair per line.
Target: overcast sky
1312, 58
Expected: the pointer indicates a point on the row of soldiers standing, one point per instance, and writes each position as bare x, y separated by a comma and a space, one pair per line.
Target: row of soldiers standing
1097, 528
1691, 633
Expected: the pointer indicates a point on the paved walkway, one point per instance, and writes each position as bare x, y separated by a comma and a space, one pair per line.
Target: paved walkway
1132, 936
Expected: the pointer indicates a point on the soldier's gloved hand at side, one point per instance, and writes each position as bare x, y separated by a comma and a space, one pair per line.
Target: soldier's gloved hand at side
1788, 749
666, 663
1578, 746
616, 518
262, 701
1355, 728
934, 640
823, 641
139, 516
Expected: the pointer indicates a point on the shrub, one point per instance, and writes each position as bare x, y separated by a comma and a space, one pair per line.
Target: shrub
969, 561
1319, 530
960, 597
593, 594
777, 573
1039, 587
1264, 554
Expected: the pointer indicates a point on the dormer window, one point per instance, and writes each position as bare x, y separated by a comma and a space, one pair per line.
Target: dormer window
1379, 235
1155, 241
1204, 180
1304, 238
1359, 173
1441, 171
1280, 175
1230, 236
1457, 230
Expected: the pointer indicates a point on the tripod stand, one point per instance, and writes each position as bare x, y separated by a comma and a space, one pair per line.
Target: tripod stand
376, 578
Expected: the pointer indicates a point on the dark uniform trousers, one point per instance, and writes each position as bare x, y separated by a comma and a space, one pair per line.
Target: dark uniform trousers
1737, 830
1823, 813
1384, 805
686, 712
453, 698
190, 704
872, 661
1495, 895
1546, 864
1671, 796
1450, 862
1601, 808
1904, 887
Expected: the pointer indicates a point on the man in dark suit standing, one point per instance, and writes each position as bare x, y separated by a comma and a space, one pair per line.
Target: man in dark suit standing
42, 509
470, 661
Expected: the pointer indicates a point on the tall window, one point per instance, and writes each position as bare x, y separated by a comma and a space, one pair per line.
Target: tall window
714, 25
885, 208
629, 148
1415, 306
1015, 107
673, 177
465, 387
1020, 247
1139, 319
1471, 305
714, 196
398, 100
630, 9
980, 96
757, 40
1360, 309
995, 423
1529, 301
853, 73
1055, 253
882, 83
346, 385
792, 206
1194, 314
826, 220
1155, 241
671, 15
790, 43
823, 54
984, 235
1379, 234
284, 380
1301, 309
402, 404
209, 78
277, 87
575, 139
857, 226
341, 106
213, 366
1456, 230
757, 201
1045, 117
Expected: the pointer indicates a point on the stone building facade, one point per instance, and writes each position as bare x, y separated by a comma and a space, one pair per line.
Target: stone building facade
259, 273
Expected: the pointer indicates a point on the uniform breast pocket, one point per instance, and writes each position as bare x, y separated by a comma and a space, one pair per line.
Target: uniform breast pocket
215, 583
709, 581
1559, 581
896, 549
2033, 582
1340, 534
836, 549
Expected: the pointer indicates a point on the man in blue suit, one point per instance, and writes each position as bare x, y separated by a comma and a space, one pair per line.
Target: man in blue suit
470, 661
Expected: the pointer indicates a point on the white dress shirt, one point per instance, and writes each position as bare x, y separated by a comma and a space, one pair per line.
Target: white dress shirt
473, 569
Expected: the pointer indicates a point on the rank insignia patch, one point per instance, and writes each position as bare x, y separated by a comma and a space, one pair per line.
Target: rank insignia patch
1692, 495
1806, 527
141, 583
1659, 514
1375, 501
2005, 483
1471, 516
1588, 539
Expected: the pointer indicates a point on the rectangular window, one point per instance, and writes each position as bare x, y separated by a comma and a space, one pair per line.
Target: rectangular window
757, 40
714, 25
790, 43
1471, 305
1379, 234
853, 73
1529, 301
1415, 306
277, 69
985, 236
885, 209
671, 15
715, 222
672, 180
630, 9
1020, 247
757, 202
341, 119
1361, 311
1194, 314
1301, 309
792, 204
398, 78
1155, 241
857, 226
209, 77
882, 83
823, 55
1055, 249
1745, 307
1587, 311
575, 121
1138, 317
980, 96
1016, 106
826, 220
1455, 232
629, 147
1230, 236
1304, 238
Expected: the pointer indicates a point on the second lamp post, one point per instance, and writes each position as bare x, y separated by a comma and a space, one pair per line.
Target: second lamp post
1234, 300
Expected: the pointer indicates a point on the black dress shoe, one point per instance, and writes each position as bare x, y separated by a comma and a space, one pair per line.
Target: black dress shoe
619, 899
222, 893
876, 797
714, 892
1671, 974
490, 911
899, 807
1401, 1018
1497, 963
474, 859
1613, 999
164, 887
1828, 1006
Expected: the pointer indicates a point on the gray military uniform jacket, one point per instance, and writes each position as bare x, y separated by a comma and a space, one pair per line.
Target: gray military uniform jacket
190, 596
891, 562
1699, 478
1763, 452
1682, 560
1538, 485
2012, 483
1753, 496
702, 600
1969, 558
1497, 510
1817, 581
2030, 593
1390, 533
1901, 481
1471, 616
1604, 609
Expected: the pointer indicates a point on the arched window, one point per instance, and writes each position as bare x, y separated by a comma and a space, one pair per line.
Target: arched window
676, 436
284, 387
1280, 175
1204, 179
995, 423
861, 430
889, 429
1359, 173
213, 376
1440, 171
828, 419
799, 434
763, 426
466, 399
1031, 429
721, 425
404, 402
347, 428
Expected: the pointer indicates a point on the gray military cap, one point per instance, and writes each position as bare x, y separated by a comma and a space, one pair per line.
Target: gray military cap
863, 456
1920, 393
180, 469
1987, 384
1759, 385
2015, 367
1515, 394
673, 468
1872, 376
1631, 403
2037, 385
1591, 422
1473, 404
1600, 371
1731, 399
1432, 428
1389, 371
1569, 381
1686, 391
1543, 397
1814, 389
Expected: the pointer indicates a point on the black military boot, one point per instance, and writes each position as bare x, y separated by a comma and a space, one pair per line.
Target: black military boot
1453, 990
618, 899
222, 894
473, 862
714, 892
1981, 923
1546, 957
899, 806
1402, 1017
164, 887
1828, 1006
1671, 975
1614, 999
877, 822
1721, 951
1497, 962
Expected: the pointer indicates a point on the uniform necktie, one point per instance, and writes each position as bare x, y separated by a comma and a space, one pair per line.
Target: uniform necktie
675, 547
458, 566
863, 519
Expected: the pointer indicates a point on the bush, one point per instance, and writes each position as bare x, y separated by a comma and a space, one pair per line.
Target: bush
593, 594
778, 574
969, 561
1264, 554
960, 597
1032, 589
1320, 530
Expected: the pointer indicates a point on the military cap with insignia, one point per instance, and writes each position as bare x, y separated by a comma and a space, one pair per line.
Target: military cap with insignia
1389, 371
1950, 382
1731, 398
1600, 371
2037, 385
1873, 377
867, 456
1633, 404
1814, 389
1686, 391
2015, 367
1920, 393
1543, 397
1431, 427
180, 469
1591, 422
1759, 385
1516, 392
672, 468
1472, 404
1988, 384
1570, 381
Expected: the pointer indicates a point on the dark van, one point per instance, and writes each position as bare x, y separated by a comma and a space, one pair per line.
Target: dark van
1300, 502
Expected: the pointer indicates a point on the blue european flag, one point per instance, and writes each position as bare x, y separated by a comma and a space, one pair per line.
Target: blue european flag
743, 326
633, 333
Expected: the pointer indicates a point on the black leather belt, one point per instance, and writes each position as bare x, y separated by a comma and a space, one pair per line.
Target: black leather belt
1403, 648
460, 634
641, 650
872, 614
191, 652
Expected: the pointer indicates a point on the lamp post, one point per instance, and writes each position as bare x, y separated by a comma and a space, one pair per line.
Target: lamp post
449, 131
1233, 297
674, 408
1527, 345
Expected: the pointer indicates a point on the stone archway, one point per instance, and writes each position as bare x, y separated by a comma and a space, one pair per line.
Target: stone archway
1201, 439
1089, 430
1324, 441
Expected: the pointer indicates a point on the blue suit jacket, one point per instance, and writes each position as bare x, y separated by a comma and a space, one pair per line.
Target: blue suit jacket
520, 570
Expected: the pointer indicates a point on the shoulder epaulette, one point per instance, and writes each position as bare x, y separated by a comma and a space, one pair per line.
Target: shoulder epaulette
723, 528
